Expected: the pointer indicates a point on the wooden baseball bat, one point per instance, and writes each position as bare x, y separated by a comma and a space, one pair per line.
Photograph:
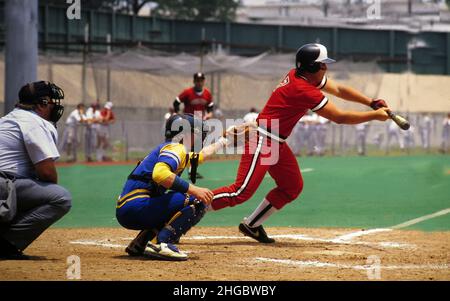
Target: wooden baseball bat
399, 120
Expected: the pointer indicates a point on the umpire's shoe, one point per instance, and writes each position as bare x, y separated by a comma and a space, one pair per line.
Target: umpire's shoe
10, 252
164, 251
256, 233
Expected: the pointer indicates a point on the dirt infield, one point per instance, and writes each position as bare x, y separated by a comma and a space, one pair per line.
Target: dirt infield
224, 254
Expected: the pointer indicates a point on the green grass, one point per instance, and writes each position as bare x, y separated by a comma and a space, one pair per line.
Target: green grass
357, 192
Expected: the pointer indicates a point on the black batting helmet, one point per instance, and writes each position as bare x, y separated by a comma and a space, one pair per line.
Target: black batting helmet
198, 76
309, 57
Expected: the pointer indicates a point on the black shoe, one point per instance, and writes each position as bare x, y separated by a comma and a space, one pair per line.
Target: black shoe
256, 233
10, 252
14, 256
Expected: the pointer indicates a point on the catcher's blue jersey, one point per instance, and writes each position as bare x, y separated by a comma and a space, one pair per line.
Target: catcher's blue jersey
173, 154
143, 204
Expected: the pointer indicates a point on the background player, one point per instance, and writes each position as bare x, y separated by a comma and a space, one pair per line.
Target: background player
93, 117
103, 131
157, 201
251, 116
197, 100
70, 136
291, 99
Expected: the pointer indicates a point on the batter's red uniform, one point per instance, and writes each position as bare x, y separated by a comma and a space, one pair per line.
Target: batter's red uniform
290, 100
195, 101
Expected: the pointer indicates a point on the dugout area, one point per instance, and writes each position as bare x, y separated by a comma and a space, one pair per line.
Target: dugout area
354, 212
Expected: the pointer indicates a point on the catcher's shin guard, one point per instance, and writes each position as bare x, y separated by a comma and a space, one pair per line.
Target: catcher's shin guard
181, 222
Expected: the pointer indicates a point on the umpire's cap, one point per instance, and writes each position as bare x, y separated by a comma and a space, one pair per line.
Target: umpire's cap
310, 56
37, 92
198, 76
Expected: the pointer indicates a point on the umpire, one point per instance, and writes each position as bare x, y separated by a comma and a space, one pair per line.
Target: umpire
28, 150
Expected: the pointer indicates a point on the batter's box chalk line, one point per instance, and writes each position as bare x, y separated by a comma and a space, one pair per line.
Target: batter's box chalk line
319, 264
110, 243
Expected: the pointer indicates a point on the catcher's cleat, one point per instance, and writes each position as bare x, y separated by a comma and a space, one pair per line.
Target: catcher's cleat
164, 251
137, 245
256, 233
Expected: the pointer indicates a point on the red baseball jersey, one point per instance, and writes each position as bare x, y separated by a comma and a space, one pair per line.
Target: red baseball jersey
104, 114
290, 100
194, 101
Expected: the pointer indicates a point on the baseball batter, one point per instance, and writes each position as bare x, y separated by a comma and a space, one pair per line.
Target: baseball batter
299, 92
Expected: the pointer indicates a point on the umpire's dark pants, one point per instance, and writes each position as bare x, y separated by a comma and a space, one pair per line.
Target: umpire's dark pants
39, 205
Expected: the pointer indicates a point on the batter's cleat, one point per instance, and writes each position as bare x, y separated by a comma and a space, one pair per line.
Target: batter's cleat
164, 251
256, 233
137, 245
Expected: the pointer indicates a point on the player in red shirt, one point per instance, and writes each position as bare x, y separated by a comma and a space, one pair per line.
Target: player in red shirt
197, 100
103, 131
267, 151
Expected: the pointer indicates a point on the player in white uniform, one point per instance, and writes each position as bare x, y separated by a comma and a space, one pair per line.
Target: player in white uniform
70, 136
361, 137
425, 131
251, 116
445, 134
393, 131
93, 118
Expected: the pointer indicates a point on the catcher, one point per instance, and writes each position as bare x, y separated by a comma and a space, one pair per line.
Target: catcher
299, 92
157, 201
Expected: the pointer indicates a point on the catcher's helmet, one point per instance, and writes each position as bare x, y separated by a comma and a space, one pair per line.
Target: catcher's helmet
310, 56
180, 123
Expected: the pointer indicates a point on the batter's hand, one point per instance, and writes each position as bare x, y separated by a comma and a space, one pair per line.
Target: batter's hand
202, 194
378, 103
381, 114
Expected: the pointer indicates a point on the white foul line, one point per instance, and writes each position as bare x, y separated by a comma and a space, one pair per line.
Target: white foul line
421, 219
318, 264
349, 236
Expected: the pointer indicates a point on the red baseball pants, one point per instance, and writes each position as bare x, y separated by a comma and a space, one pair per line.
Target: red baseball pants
259, 157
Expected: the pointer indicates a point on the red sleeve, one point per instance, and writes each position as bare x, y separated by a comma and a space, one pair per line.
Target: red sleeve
314, 99
208, 96
184, 95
